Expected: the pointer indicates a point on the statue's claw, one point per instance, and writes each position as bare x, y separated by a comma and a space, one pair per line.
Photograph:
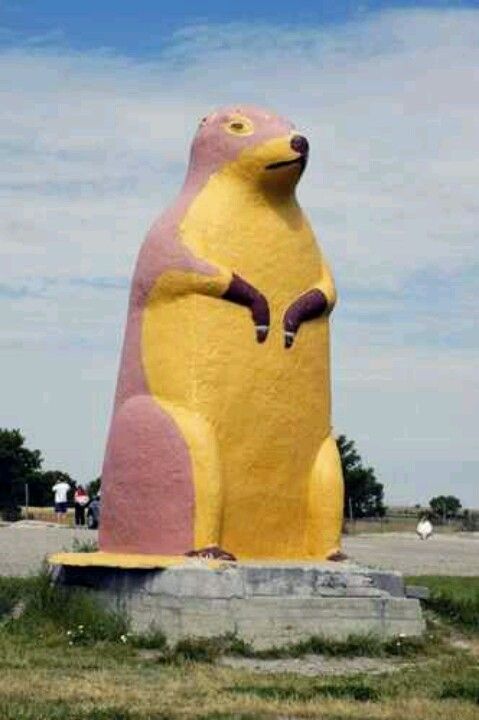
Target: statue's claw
262, 332
289, 336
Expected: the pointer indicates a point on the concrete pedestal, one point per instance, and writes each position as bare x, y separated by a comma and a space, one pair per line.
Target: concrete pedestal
265, 604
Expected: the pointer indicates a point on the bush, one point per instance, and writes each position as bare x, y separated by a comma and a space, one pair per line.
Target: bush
470, 521
10, 512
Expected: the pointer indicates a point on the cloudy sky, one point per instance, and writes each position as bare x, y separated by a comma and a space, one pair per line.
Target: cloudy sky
98, 109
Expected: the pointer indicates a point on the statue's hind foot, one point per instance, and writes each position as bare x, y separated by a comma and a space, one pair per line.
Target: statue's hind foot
337, 557
212, 552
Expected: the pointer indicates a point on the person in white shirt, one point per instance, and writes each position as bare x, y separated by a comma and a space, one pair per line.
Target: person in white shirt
424, 528
60, 490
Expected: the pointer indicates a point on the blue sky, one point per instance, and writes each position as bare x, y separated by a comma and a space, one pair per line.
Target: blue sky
100, 101
141, 28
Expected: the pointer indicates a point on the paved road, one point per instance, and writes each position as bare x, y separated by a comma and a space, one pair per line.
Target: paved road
23, 546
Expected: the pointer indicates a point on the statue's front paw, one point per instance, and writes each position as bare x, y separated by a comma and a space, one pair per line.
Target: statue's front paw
311, 305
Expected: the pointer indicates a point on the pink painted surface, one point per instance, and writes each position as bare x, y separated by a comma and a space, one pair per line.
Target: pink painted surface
147, 485
148, 500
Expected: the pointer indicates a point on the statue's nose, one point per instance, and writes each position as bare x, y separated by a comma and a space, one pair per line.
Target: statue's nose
300, 144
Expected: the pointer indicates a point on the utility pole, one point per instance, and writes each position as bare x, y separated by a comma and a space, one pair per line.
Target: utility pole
27, 500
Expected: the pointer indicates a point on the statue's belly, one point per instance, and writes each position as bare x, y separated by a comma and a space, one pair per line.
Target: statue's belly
201, 353
269, 407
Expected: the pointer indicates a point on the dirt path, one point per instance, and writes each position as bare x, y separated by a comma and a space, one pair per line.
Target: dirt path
23, 546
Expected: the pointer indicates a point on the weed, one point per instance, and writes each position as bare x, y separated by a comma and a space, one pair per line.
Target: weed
84, 546
154, 639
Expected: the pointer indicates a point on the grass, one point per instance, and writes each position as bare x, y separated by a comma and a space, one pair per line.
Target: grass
52, 670
208, 650
50, 610
353, 689
467, 688
454, 599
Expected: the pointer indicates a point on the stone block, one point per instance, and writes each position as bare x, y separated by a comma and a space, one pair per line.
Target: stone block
267, 605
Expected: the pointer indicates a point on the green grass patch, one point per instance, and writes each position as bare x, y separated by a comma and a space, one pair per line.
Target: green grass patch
466, 688
55, 611
455, 599
24, 710
12, 591
354, 689
208, 650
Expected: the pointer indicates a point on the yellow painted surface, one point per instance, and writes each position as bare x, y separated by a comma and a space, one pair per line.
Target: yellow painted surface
267, 408
127, 561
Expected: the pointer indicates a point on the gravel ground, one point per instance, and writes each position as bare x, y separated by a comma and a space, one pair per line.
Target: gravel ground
23, 546
314, 665
448, 554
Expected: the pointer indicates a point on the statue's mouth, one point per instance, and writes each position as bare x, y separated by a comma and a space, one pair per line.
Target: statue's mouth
301, 161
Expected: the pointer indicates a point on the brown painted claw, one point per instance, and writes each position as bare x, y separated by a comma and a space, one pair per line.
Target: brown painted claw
242, 293
311, 305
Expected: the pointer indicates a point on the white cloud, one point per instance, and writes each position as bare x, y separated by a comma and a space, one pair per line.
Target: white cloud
95, 145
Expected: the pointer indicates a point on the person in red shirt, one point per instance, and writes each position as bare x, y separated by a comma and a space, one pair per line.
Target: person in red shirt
81, 500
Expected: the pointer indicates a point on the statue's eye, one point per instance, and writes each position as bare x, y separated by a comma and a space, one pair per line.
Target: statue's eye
239, 126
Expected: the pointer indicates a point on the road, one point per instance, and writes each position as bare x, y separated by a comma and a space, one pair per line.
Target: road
24, 545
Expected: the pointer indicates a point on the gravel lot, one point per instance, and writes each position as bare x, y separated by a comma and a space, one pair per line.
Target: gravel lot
23, 546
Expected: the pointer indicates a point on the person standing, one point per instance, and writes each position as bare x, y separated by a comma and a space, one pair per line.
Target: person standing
81, 500
61, 490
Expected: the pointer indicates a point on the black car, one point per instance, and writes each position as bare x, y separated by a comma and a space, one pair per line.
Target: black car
93, 513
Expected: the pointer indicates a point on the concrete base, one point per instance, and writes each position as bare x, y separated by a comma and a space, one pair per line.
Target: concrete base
267, 605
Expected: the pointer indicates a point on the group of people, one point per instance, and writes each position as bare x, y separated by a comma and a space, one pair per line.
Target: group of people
80, 501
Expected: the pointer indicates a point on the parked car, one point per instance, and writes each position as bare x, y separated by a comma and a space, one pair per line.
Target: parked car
93, 513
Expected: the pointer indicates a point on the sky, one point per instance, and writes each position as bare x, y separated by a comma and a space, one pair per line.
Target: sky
99, 104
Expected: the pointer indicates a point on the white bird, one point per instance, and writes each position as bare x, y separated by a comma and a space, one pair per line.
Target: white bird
424, 528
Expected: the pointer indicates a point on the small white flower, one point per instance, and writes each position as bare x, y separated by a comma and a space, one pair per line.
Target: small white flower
71, 642
69, 632
80, 627
123, 638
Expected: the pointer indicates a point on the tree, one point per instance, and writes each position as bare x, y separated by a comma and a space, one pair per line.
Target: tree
363, 493
445, 506
18, 465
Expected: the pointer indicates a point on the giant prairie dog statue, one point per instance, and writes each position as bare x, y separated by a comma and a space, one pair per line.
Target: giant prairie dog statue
220, 440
